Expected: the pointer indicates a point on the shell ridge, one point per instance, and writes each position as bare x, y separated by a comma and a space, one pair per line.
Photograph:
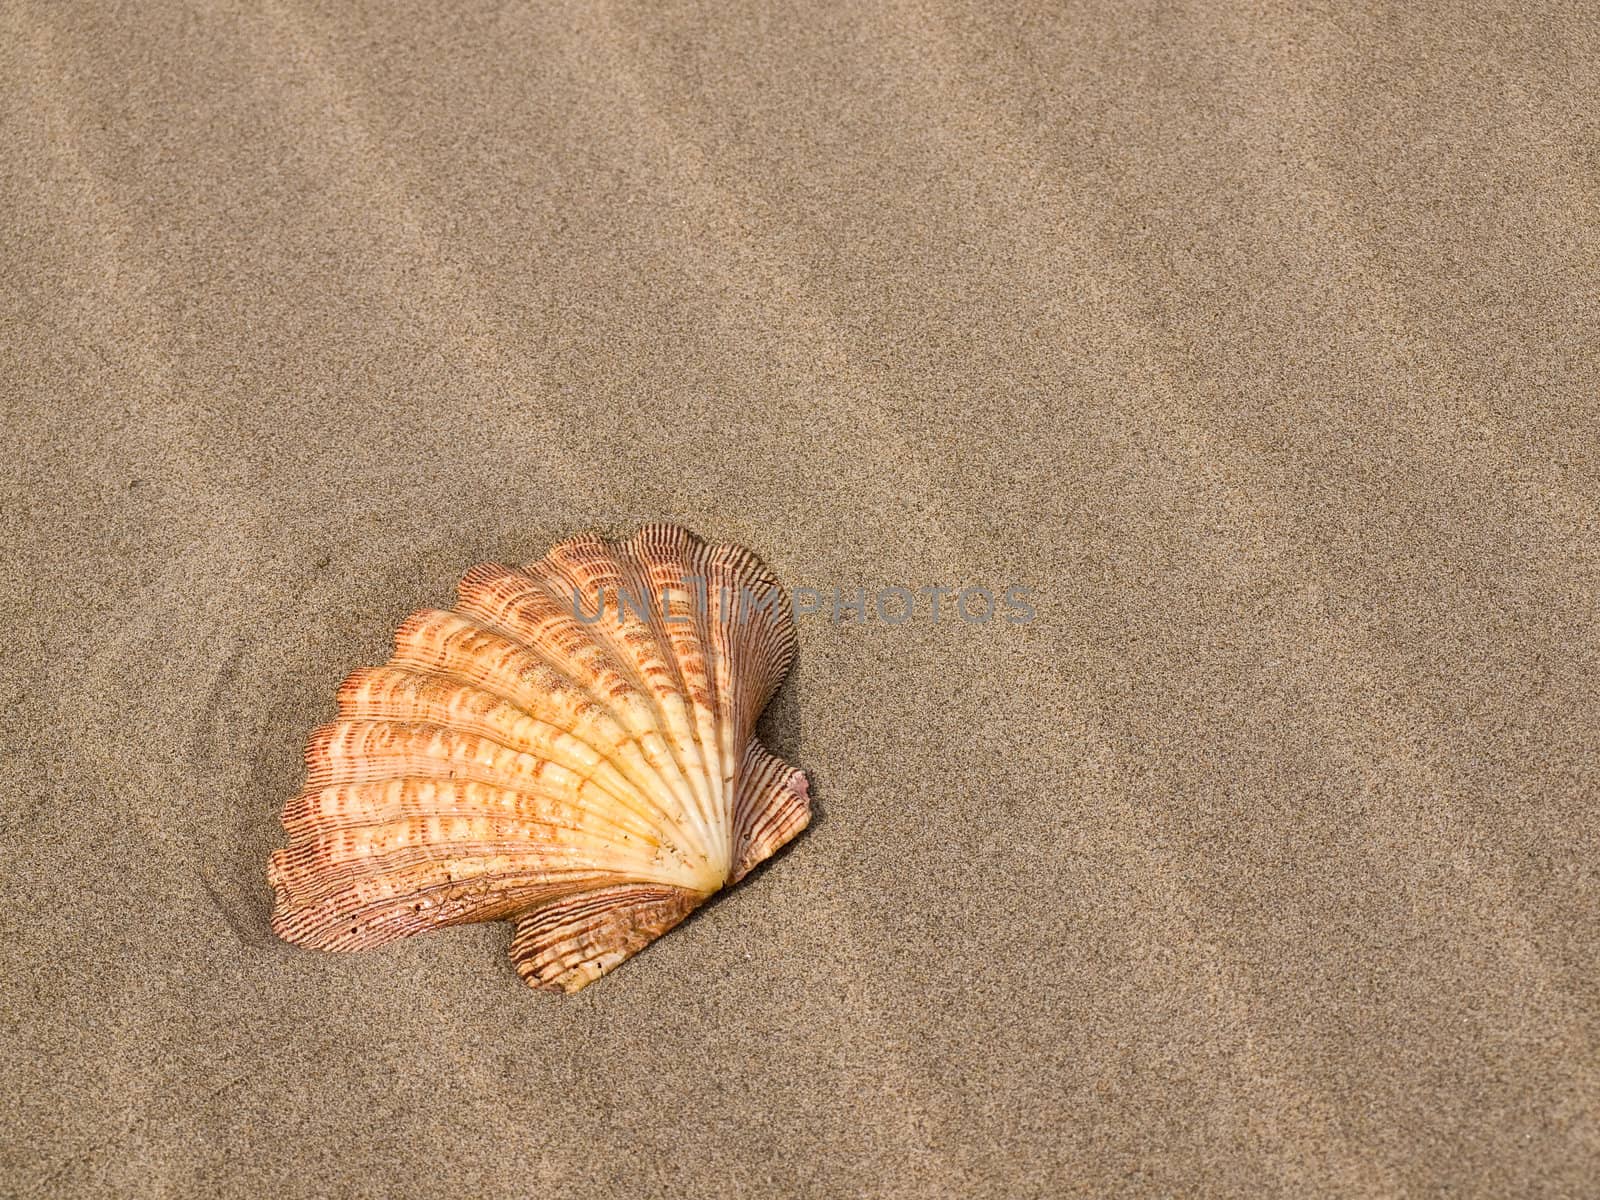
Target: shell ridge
415, 657
475, 607
658, 558
760, 631
469, 861
608, 634
769, 642
454, 765
673, 698
722, 667
504, 810
611, 630
713, 655
492, 735
365, 807
403, 694
715, 712
640, 773
765, 626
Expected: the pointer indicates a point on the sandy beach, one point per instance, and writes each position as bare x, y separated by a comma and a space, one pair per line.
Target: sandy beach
1258, 343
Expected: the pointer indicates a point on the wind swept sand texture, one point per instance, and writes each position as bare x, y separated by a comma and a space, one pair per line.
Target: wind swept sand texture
1261, 342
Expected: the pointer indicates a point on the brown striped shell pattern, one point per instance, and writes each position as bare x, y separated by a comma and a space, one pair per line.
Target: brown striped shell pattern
570, 748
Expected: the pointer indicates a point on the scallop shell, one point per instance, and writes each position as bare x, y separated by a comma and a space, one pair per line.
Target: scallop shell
569, 749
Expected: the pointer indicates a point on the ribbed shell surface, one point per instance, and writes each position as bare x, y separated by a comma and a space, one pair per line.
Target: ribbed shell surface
570, 748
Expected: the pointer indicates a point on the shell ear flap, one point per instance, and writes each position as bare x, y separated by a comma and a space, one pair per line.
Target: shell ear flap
573, 942
576, 940
773, 805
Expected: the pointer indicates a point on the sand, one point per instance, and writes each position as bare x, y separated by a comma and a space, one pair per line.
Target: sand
1260, 342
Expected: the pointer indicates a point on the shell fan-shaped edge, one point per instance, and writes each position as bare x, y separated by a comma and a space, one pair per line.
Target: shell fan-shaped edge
569, 748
